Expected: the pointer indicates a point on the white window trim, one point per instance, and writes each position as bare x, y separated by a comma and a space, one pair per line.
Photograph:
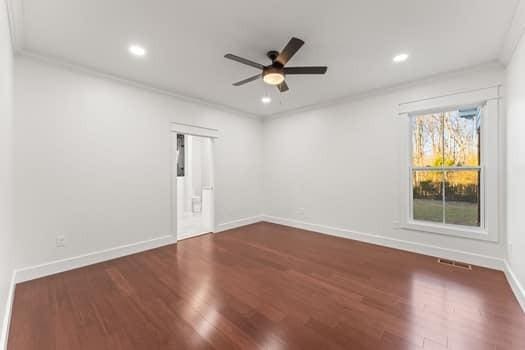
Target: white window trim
488, 99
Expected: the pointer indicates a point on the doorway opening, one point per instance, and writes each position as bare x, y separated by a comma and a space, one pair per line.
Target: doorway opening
194, 185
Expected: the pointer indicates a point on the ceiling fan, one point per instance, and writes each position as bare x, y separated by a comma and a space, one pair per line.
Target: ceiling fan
275, 73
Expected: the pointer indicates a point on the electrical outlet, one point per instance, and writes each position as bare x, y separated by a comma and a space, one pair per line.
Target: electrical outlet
60, 241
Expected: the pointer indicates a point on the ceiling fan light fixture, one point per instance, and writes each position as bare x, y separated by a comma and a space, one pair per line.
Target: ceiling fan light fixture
273, 76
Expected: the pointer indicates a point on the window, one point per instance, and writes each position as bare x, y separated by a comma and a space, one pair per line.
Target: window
445, 167
450, 177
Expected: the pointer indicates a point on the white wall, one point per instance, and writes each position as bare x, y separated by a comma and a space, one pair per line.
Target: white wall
515, 91
339, 166
6, 164
93, 162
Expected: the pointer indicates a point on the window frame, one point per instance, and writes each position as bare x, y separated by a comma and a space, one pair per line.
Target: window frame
488, 101
444, 169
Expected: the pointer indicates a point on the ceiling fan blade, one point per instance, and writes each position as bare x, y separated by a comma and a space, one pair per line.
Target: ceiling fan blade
289, 50
283, 87
242, 82
305, 70
244, 61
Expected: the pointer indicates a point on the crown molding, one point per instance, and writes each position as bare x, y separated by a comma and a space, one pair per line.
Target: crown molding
514, 33
385, 90
79, 68
64, 64
15, 13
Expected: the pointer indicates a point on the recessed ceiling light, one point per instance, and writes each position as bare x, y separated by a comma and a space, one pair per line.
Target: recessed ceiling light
402, 57
137, 50
266, 99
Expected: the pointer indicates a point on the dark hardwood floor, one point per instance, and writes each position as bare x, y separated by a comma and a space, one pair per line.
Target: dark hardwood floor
271, 287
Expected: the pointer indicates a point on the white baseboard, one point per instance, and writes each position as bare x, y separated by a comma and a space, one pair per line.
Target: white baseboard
470, 258
425, 249
515, 285
50, 268
57, 266
8, 310
238, 223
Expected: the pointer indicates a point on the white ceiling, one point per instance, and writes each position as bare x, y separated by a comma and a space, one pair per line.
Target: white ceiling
186, 41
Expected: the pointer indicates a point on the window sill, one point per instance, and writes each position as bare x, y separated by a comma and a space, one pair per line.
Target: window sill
450, 230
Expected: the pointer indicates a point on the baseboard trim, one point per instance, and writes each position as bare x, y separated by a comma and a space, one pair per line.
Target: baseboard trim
475, 259
238, 223
420, 248
57, 266
515, 285
8, 311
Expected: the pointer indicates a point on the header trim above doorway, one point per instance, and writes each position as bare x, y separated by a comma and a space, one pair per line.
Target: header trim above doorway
194, 130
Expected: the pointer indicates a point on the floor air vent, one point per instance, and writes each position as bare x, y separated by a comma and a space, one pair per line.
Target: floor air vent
455, 264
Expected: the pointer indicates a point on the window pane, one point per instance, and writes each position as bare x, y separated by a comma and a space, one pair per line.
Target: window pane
427, 192
427, 140
462, 201
461, 137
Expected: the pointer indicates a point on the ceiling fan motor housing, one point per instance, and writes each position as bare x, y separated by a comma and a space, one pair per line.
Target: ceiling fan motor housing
272, 55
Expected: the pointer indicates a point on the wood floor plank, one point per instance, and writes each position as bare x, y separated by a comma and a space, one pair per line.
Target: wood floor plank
270, 287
